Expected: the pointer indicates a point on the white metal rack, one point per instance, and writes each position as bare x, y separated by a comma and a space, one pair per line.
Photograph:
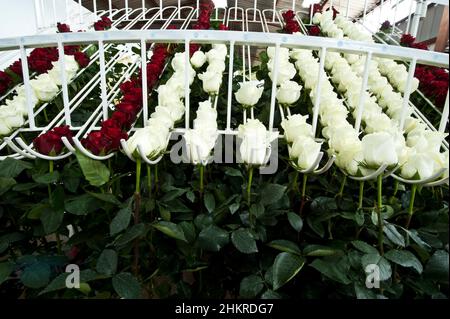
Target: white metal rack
184, 14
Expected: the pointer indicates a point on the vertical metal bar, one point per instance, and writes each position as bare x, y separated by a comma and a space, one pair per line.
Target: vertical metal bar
347, 10
316, 107
66, 9
198, 7
412, 68
95, 6
80, 13
26, 80
65, 91
444, 117
255, 7
235, 9
381, 12
363, 93
274, 10
54, 11
160, 9
230, 84
126, 9
409, 17
365, 11
143, 10
101, 52
43, 20
110, 8
36, 19
186, 81
144, 81
293, 5
395, 17
274, 85
179, 10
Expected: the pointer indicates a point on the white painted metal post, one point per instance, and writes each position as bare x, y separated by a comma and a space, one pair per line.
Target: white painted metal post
103, 94
144, 81
444, 118
316, 107
230, 85
274, 86
65, 92
412, 68
26, 80
363, 93
186, 82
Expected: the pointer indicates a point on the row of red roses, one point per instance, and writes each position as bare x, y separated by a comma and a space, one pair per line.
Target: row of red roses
290, 24
107, 139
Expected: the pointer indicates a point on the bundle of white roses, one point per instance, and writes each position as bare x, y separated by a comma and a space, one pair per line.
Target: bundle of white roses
154, 137
43, 89
201, 139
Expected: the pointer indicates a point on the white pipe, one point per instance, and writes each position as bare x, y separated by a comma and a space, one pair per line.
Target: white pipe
65, 92
101, 50
316, 107
412, 68
363, 93
444, 117
26, 80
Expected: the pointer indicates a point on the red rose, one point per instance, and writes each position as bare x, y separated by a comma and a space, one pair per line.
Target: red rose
288, 15
62, 27
134, 97
407, 40
316, 8
292, 27
82, 59
47, 143
127, 86
16, 67
93, 142
63, 131
111, 137
107, 22
129, 110
121, 119
420, 46
71, 49
41, 66
99, 26
314, 30
223, 27
5, 82
440, 74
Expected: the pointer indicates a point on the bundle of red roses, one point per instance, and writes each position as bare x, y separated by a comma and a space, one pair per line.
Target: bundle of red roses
40, 59
50, 142
5, 82
314, 30
203, 21
63, 28
103, 24
290, 25
433, 83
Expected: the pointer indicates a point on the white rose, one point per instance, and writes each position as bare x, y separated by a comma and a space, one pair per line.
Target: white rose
71, 67
175, 86
163, 115
317, 18
11, 117
198, 59
305, 150
5, 129
343, 139
249, 92
378, 149
18, 103
422, 164
222, 48
288, 93
21, 93
206, 116
152, 140
296, 54
350, 158
211, 81
216, 54
294, 126
198, 145
283, 53
286, 71
44, 87
426, 141
255, 142
179, 62
217, 66
401, 85
168, 95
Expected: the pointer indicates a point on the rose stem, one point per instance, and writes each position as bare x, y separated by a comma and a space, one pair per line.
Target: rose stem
395, 187
156, 179
137, 203
341, 189
58, 239
379, 206
201, 170
149, 179
303, 199
361, 194
411, 205
249, 189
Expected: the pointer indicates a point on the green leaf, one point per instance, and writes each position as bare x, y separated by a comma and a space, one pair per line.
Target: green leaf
126, 286
320, 251
270, 294
381, 262
60, 281
109, 198
251, 286
234, 208
82, 205
107, 262
243, 240
210, 202
48, 178
120, 221
134, 232
213, 238
191, 196
295, 221
233, 172
393, 235
6, 183
404, 258
285, 267
437, 267
285, 245
172, 194
37, 275
336, 271
10, 167
51, 219
364, 247
5, 270
271, 193
170, 229
94, 171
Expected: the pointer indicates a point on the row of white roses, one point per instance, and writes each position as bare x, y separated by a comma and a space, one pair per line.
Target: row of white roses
202, 138
43, 89
420, 156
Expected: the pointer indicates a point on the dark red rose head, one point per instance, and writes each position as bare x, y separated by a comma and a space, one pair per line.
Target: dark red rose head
386, 25
223, 27
5, 82
420, 46
121, 119
288, 15
71, 49
48, 143
129, 110
112, 137
16, 67
316, 8
292, 27
63, 28
314, 30
407, 39
107, 22
93, 142
82, 59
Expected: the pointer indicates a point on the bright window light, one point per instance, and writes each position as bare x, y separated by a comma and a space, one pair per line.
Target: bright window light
308, 3
220, 3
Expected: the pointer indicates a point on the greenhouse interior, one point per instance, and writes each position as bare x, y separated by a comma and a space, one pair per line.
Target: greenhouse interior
213, 149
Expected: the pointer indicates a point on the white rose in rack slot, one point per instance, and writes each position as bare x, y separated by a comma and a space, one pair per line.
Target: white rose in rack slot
44, 87
152, 139
211, 82
288, 93
71, 67
379, 149
198, 59
249, 93
295, 125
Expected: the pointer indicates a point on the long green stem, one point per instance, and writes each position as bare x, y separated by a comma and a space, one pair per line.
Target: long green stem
396, 182
138, 176
411, 205
202, 172
156, 179
58, 238
305, 179
361, 194
379, 207
149, 179
295, 182
249, 194
341, 189
137, 207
